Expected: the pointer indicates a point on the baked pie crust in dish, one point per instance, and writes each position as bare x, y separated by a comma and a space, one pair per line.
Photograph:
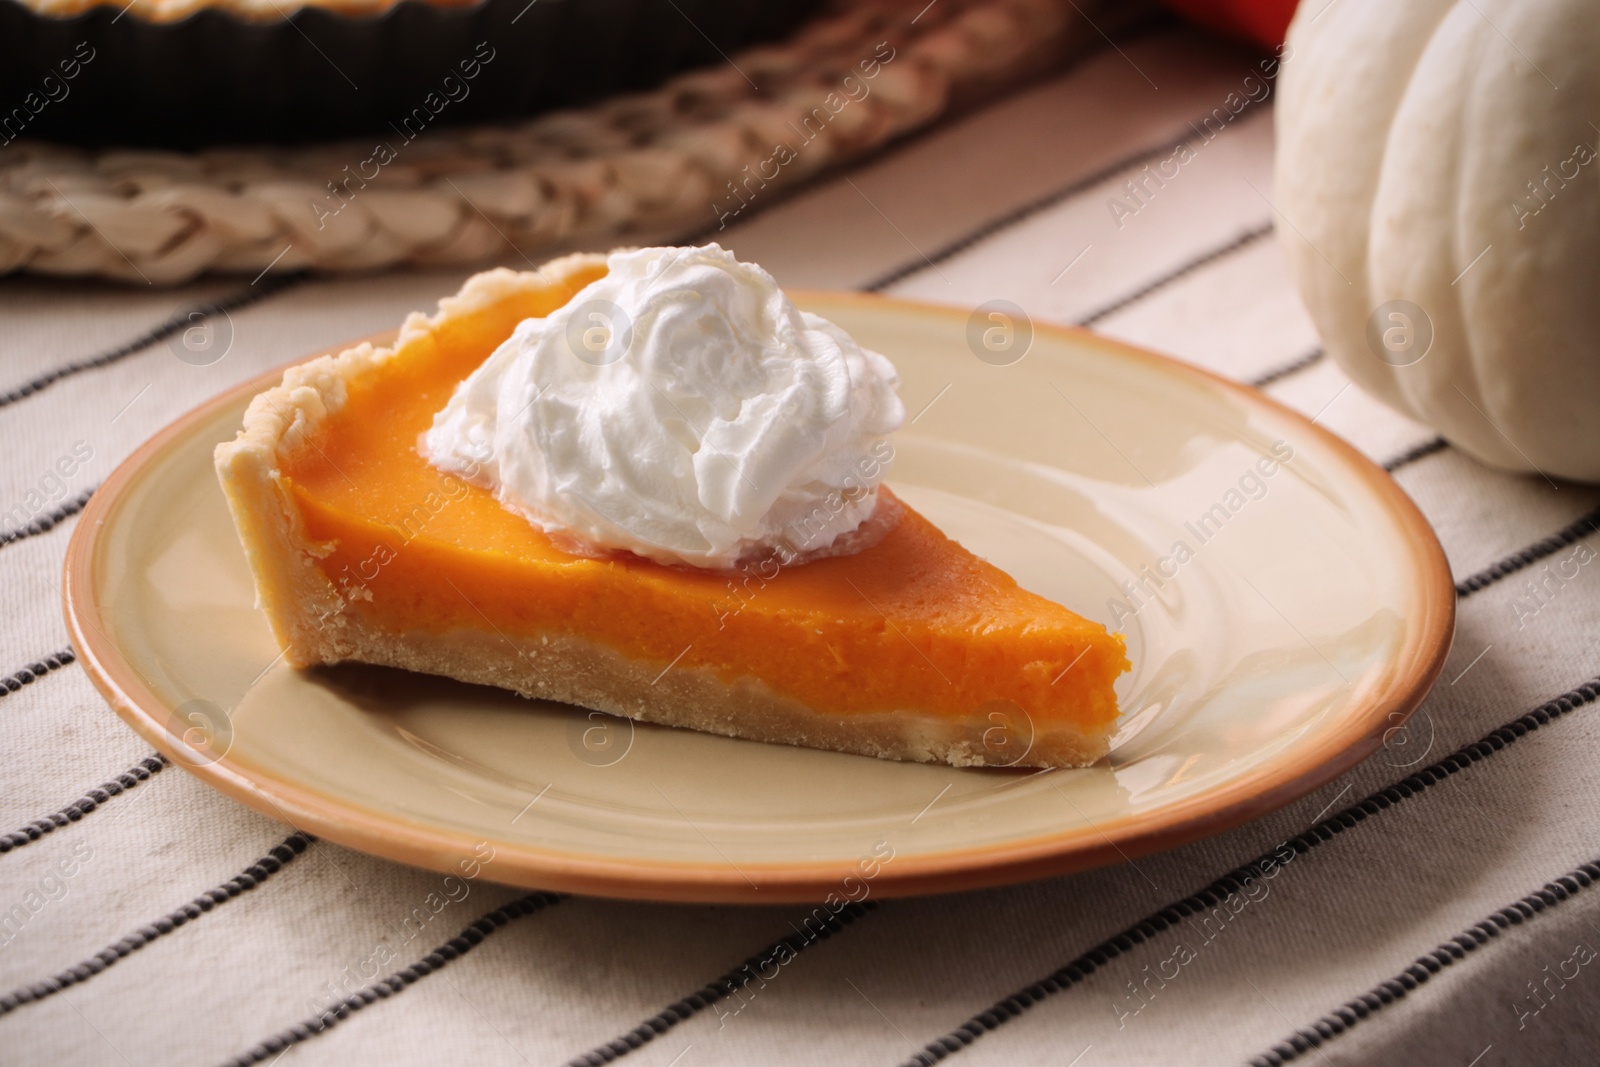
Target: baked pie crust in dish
910, 648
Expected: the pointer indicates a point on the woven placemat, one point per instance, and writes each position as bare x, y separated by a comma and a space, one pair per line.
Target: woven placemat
704, 150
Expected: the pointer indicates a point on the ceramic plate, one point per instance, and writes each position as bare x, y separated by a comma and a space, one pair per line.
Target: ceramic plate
1284, 602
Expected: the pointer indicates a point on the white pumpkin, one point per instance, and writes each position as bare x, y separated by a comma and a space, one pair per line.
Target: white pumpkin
1443, 153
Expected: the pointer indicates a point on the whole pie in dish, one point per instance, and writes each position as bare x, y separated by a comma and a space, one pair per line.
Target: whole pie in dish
908, 647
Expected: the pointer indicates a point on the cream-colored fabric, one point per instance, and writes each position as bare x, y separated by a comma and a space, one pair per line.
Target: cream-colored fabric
1336, 921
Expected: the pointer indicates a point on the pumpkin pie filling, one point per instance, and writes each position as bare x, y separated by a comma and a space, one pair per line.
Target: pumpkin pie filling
911, 626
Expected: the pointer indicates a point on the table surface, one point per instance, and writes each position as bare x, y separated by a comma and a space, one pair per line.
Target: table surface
145, 918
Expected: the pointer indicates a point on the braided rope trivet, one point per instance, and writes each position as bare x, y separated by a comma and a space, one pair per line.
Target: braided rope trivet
681, 159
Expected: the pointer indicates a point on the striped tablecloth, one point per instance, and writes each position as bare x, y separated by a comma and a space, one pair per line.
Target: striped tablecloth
1438, 910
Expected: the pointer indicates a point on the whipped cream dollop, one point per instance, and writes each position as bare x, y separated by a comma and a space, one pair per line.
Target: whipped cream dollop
681, 408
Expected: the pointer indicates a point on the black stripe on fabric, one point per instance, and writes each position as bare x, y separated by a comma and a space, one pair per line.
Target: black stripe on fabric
1278, 374
1235, 244
463, 943
718, 989
263, 290
1427, 965
1017, 215
142, 771
1311, 359
262, 869
36, 670
1411, 455
1239, 878
1023, 212
1571, 533
1138, 27
48, 521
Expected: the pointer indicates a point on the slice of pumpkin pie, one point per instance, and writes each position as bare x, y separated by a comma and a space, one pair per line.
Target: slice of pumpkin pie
648, 484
